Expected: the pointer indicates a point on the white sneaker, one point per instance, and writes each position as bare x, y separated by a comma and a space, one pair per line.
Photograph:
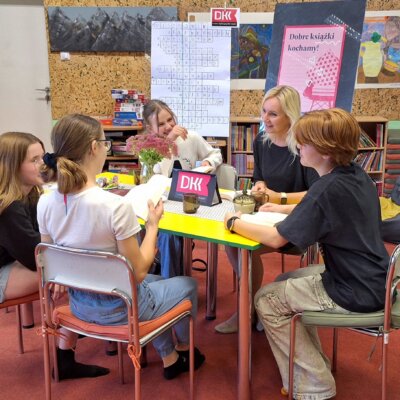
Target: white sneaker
228, 326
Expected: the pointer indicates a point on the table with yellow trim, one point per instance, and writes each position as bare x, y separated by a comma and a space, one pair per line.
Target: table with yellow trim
213, 232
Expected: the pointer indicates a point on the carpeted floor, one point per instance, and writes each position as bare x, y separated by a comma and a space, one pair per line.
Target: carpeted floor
21, 376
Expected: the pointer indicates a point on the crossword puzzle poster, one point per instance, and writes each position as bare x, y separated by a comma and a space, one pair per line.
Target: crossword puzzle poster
310, 62
190, 71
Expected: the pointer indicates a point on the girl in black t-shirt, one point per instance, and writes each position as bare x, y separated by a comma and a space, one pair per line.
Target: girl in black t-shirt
341, 212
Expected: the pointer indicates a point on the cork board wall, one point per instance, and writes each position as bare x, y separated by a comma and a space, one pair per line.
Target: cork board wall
84, 83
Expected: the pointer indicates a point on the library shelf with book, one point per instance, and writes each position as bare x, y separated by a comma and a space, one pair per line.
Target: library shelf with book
243, 132
371, 153
119, 160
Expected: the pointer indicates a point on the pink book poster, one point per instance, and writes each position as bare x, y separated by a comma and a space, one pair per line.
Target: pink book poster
311, 59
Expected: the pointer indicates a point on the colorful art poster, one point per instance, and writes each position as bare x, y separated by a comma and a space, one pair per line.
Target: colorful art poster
250, 49
310, 62
379, 61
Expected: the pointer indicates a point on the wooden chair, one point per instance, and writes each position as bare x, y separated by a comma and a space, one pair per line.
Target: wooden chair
17, 303
382, 322
107, 273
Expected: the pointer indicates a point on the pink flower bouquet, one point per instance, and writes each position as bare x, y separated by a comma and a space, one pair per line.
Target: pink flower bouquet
151, 149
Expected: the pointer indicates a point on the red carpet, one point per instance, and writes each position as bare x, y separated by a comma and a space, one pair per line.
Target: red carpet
21, 376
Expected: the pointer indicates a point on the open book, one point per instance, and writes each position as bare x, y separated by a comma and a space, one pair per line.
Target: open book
152, 190
264, 218
228, 194
203, 168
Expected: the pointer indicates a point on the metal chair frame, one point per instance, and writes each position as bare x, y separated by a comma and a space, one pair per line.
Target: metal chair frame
381, 319
17, 302
107, 273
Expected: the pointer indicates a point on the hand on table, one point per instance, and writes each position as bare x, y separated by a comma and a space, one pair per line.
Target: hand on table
229, 215
271, 207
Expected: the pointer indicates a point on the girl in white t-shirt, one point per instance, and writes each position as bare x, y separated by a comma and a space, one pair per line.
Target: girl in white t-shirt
159, 119
80, 214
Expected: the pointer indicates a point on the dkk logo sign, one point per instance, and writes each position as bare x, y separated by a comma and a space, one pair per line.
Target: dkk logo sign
225, 16
204, 185
189, 182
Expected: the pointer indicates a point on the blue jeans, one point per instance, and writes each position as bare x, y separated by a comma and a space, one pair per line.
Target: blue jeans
155, 297
170, 249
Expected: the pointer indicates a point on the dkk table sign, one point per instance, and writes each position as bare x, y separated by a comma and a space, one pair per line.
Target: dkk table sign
204, 185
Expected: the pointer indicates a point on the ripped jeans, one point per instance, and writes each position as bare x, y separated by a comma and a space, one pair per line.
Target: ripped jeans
275, 304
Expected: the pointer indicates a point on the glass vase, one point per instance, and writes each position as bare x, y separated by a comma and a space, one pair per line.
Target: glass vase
146, 172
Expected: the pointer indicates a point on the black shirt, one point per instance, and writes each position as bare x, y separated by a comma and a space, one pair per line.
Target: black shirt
341, 211
19, 234
279, 168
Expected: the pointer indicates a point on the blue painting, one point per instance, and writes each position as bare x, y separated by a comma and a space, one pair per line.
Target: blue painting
250, 51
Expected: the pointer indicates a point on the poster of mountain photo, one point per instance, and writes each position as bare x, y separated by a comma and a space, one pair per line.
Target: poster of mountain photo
105, 29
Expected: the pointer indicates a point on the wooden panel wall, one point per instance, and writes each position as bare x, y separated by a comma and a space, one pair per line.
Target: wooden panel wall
83, 84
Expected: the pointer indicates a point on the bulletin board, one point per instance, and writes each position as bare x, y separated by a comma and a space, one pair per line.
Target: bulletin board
84, 83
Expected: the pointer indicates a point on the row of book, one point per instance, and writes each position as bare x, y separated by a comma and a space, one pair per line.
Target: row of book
244, 183
367, 141
244, 163
370, 161
242, 137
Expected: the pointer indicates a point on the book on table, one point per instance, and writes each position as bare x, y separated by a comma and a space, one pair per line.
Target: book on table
265, 218
152, 190
203, 168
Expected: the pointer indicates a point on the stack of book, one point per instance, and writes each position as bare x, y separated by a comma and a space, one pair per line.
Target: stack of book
128, 107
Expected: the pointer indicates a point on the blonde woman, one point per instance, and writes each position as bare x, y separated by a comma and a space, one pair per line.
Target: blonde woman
277, 172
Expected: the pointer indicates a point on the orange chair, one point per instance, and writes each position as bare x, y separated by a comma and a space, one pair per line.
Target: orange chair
106, 273
18, 302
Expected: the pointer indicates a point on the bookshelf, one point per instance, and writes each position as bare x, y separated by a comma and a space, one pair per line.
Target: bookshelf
371, 153
119, 161
243, 133
222, 144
